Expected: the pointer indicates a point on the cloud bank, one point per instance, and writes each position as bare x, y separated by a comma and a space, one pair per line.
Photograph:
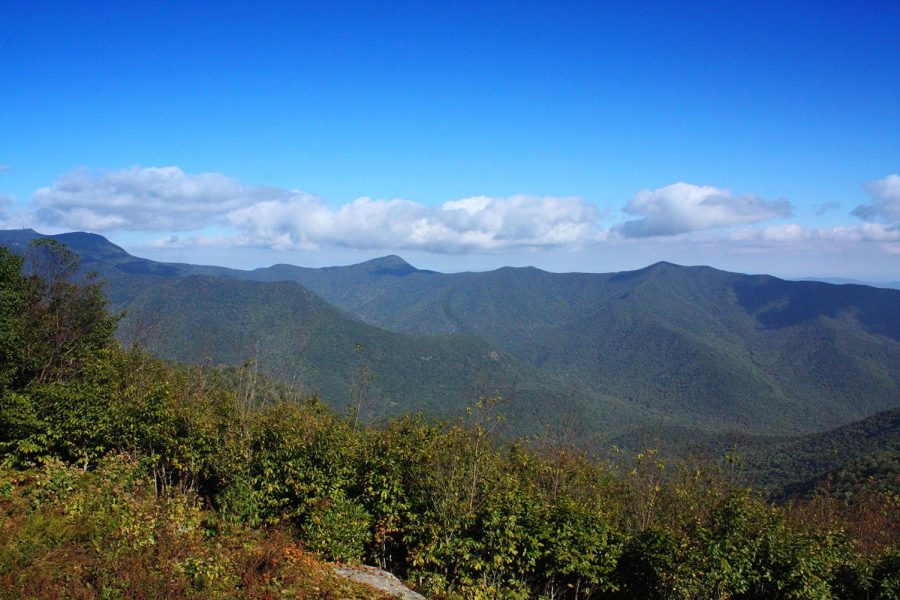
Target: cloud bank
683, 207
185, 208
481, 224
168, 199
149, 199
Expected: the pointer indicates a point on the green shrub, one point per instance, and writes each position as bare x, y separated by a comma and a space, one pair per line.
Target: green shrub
886, 576
337, 528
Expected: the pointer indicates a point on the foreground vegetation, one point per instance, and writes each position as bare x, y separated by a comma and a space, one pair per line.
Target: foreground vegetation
125, 476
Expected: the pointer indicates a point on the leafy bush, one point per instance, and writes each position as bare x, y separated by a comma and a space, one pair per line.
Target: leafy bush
338, 529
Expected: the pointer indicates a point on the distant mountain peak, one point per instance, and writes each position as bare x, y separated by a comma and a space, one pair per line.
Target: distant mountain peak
391, 265
81, 241
390, 260
656, 268
19, 235
81, 235
77, 241
662, 265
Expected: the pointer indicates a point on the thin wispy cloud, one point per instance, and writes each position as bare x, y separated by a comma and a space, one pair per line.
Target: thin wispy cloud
866, 232
5, 202
826, 207
9, 218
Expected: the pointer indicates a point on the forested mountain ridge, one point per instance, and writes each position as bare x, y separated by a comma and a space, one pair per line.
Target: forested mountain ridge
845, 461
197, 314
294, 336
692, 341
706, 349
862, 454
894, 285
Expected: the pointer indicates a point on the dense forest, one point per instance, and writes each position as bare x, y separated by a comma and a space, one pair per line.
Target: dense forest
127, 476
694, 350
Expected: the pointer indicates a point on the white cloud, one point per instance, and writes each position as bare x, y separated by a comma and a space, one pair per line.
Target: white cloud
216, 214
5, 169
178, 242
470, 224
885, 204
684, 207
141, 198
168, 199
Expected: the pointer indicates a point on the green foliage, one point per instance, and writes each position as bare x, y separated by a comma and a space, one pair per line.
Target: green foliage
107, 533
55, 377
694, 345
13, 324
580, 548
886, 576
338, 528
67, 321
847, 460
300, 454
653, 566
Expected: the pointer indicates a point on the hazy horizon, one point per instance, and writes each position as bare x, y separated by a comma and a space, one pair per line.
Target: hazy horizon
188, 258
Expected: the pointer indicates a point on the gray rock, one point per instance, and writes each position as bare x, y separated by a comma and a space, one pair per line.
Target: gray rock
378, 579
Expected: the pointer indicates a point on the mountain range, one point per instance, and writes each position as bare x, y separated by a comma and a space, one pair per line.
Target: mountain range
893, 285
666, 347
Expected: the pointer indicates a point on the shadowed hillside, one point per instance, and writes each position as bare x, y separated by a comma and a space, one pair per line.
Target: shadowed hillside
296, 337
703, 345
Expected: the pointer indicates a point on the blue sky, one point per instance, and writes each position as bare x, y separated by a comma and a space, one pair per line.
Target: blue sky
759, 137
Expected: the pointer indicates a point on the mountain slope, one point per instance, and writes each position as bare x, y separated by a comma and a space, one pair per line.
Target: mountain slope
686, 339
844, 461
705, 349
702, 345
862, 454
299, 339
